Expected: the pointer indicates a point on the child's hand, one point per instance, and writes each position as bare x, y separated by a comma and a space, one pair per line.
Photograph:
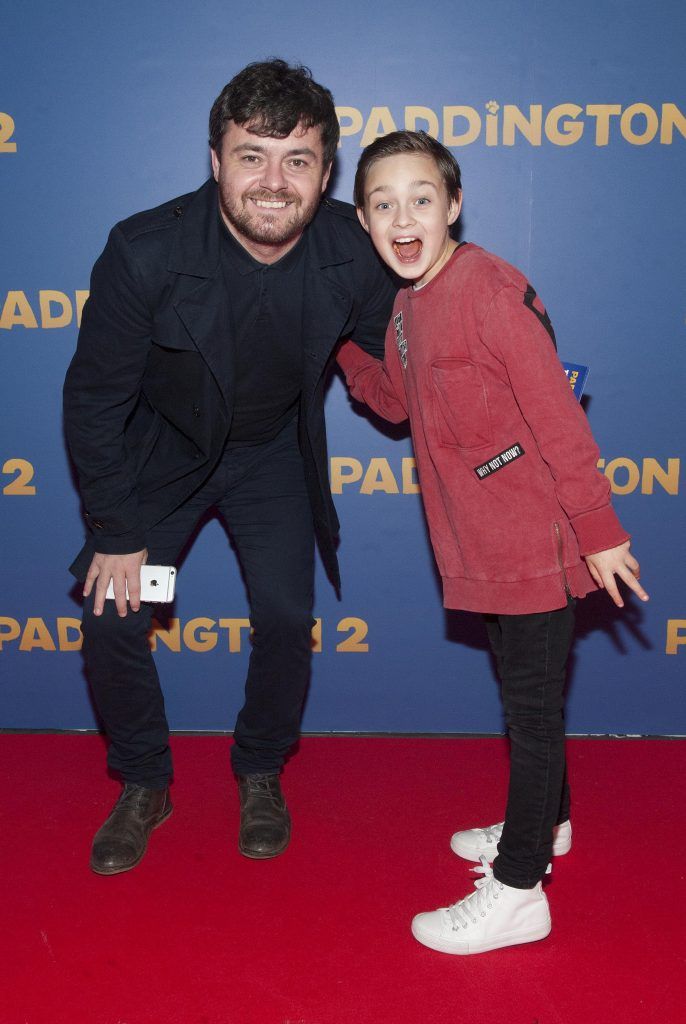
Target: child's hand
603, 566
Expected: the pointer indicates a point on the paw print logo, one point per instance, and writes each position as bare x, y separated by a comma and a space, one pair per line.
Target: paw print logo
492, 107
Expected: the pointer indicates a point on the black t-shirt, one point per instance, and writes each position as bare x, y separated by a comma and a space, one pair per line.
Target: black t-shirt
266, 302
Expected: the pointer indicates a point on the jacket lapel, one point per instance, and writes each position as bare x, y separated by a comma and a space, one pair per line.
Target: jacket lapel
204, 310
205, 314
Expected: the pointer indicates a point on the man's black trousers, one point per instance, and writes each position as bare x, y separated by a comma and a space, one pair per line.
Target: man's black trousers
259, 491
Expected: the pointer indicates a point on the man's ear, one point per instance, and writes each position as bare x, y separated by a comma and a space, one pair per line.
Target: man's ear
362, 219
215, 164
455, 207
326, 176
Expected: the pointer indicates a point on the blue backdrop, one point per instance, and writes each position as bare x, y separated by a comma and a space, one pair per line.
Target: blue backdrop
569, 122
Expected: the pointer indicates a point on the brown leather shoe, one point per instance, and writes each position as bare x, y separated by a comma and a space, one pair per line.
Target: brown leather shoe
265, 822
121, 842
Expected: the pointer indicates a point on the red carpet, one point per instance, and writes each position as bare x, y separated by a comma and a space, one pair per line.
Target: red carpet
199, 935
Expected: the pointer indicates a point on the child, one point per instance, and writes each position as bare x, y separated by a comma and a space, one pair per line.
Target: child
520, 519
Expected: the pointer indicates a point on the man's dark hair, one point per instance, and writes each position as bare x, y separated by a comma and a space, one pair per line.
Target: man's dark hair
408, 142
272, 98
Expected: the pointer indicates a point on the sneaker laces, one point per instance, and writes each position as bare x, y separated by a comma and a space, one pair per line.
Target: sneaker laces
493, 833
486, 890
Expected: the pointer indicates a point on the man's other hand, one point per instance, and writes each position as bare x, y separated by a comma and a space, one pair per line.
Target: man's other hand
124, 571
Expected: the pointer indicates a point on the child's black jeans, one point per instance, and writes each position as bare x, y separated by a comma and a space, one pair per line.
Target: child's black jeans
531, 653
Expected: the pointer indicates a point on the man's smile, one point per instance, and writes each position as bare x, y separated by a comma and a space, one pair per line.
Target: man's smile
271, 204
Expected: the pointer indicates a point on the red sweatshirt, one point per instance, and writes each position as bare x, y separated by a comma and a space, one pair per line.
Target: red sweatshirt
505, 457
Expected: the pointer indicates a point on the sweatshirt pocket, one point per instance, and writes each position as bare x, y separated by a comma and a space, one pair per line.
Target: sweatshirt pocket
459, 404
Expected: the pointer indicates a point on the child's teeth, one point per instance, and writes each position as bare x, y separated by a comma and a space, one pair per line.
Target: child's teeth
407, 248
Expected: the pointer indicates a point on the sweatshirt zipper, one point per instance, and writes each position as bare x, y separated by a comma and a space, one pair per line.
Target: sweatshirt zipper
558, 535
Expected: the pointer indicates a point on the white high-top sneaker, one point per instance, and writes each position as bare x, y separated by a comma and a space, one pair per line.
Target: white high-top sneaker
474, 843
492, 916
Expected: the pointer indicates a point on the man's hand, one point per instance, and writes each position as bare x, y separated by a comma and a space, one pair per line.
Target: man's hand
605, 564
125, 571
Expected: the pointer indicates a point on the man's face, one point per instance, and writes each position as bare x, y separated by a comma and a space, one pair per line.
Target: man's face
407, 213
269, 189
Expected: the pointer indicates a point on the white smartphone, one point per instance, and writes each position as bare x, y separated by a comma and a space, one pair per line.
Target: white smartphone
157, 584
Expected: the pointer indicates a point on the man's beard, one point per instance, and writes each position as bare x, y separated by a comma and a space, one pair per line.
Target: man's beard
260, 225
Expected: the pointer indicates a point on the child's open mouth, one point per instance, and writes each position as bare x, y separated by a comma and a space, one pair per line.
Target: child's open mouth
407, 249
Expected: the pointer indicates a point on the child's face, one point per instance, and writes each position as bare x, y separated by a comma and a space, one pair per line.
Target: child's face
407, 213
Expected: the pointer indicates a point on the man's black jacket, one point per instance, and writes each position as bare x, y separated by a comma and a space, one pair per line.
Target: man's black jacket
148, 396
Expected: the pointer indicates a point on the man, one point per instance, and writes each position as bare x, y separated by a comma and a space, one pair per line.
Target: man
198, 383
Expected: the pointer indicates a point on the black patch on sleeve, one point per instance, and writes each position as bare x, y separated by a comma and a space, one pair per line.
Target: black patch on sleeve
543, 317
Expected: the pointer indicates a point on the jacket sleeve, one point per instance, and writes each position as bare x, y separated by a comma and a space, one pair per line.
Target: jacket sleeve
516, 334
101, 389
377, 303
378, 384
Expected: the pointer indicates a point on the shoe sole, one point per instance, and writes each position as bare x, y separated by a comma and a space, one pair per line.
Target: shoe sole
560, 848
120, 871
467, 949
